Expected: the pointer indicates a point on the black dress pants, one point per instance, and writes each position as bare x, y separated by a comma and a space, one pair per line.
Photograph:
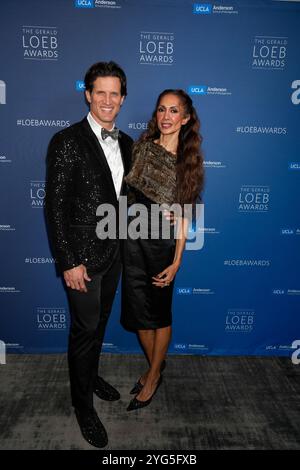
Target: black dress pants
89, 314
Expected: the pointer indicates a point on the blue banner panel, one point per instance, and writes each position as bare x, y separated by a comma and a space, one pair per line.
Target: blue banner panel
239, 61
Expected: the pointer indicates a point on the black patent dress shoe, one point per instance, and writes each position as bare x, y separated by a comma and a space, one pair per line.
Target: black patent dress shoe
105, 391
91, 427
135, 404
138, 385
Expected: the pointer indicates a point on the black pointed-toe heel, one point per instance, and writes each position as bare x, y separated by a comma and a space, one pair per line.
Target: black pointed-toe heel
135, 404
137, 388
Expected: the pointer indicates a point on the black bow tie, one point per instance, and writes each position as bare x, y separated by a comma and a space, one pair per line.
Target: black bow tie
114, 134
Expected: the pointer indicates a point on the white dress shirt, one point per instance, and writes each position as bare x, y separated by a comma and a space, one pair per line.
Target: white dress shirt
112, 153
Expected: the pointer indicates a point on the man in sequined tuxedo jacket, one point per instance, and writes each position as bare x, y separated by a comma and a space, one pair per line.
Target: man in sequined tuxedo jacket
86, 165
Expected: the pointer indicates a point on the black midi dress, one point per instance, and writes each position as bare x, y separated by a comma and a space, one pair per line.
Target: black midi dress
152, 181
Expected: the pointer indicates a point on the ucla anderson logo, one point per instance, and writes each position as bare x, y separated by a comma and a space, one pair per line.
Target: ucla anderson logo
84, 3
80, 85
278, 292
97, 3
197, 90
184, 290
202, 8
207, 90
294, 165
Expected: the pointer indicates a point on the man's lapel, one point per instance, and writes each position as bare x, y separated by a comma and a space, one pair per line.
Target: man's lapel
125, 153
98, 152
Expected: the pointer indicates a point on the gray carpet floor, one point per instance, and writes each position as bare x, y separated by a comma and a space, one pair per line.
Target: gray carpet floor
203, 403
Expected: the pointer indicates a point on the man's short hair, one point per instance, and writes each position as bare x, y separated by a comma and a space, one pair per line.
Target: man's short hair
105, 69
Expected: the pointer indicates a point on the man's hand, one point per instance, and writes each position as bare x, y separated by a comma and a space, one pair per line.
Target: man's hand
75, 278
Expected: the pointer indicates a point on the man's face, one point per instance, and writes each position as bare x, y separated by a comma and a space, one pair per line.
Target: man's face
105, 100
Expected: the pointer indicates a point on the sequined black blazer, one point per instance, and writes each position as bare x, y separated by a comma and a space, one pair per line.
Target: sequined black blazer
78, 181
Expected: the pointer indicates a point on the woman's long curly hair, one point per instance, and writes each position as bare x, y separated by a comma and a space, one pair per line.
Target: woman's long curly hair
190, 172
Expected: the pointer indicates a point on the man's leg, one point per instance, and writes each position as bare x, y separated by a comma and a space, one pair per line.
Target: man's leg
109, 286
89, 314
108, 290
82, 351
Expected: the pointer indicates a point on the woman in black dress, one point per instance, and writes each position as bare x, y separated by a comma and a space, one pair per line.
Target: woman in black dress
167, 169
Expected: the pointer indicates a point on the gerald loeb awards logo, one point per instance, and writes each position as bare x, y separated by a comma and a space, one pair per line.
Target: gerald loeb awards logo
156, 48
254, 198
40, 42
269, 52
51, 319
37, 194
239, 321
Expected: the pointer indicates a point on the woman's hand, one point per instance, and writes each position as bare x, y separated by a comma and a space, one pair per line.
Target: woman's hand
164, 278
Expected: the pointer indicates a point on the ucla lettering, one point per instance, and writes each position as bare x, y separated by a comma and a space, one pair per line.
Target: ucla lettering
198, 90
184, 290
84, 3
202, 8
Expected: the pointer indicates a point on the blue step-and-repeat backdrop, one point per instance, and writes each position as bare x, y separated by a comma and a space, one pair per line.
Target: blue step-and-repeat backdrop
240, 62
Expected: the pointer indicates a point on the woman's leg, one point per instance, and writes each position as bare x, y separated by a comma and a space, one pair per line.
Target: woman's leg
161, 342
146, 337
